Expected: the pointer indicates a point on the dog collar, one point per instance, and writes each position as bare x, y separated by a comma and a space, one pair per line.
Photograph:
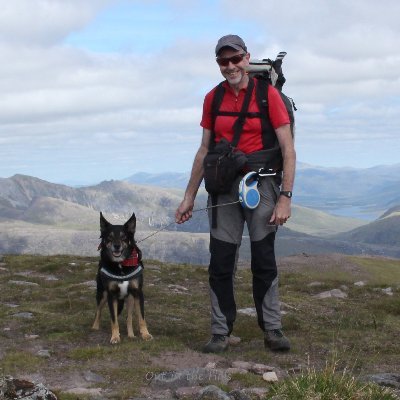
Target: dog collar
132, 260
135, 272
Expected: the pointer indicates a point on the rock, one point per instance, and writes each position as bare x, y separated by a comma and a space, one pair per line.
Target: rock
242, 365
260, 369
31, 337
331, 293
212, 393
231, 371
51, 278
90, 392
178, 289
189, 377
188, 393
239, 394
23, 283
359, 283
26, 315
44, 353
270, 377
211, 365
388, 291
234, 340
256, 392
90, 376
388, 379
284, 306
11, 389
250, 311
153, 395
314, 284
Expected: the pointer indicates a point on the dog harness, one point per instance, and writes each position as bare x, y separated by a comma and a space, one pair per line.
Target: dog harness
129, 268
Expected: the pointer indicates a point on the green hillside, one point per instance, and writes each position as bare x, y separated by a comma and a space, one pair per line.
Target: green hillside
47, 305
319, 223
384, 231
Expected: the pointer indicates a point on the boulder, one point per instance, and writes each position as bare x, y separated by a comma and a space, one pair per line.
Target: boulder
12, 389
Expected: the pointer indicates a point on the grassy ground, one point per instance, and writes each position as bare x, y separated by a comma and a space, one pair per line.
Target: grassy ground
359, 333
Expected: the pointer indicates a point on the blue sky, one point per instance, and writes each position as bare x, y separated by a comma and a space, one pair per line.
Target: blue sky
103, 89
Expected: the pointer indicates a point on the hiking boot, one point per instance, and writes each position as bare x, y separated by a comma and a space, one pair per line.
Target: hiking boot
275, 340
217, 344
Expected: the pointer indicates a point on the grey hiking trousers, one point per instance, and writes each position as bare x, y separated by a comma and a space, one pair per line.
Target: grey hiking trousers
225, 241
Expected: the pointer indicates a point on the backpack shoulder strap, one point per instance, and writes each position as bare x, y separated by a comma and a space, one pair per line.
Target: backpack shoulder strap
269, 138
215, 106
238, 125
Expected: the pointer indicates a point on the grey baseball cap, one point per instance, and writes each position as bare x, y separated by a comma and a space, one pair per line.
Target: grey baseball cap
233, 41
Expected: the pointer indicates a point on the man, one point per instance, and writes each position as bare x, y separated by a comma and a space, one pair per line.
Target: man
274, 208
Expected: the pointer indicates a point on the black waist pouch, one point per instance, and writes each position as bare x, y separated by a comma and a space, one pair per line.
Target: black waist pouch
221, 167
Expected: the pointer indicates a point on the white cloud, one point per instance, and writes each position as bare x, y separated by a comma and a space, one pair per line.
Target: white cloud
342, 70
45, 22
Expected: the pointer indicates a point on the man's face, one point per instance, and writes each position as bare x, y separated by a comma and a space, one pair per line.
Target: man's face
232, 64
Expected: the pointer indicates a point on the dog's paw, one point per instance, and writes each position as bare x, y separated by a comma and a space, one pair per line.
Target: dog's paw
95, 327
146, 336
132, 337
115, 339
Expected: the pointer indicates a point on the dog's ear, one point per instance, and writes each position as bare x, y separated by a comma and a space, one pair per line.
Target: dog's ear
130, 225
104, 224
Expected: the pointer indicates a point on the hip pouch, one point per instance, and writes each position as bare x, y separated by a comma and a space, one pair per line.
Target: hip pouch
221, 167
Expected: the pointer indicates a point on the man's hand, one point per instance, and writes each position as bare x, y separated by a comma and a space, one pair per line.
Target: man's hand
281, 212
184, 211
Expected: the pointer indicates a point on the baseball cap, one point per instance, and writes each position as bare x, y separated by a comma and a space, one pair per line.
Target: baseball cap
233, 41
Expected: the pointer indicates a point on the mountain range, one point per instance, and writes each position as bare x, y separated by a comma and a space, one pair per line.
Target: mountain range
37, 216
364, 193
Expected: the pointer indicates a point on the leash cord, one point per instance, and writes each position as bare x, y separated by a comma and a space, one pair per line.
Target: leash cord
173, 222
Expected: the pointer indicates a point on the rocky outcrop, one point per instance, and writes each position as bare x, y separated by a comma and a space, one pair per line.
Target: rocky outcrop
13, 389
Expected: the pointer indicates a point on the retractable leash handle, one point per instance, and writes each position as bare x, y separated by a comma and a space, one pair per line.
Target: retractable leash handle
249, 196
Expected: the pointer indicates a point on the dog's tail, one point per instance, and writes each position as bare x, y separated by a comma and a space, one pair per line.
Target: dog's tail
120, 306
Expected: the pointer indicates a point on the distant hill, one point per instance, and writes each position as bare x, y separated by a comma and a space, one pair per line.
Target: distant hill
164, 180
41, 217
368, 191
315, 222
392, 211
34, 200
384, 231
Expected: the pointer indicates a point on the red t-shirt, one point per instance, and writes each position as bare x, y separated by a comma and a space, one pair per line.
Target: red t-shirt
250, 138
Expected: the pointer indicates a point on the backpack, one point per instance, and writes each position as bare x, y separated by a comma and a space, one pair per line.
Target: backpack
267, 72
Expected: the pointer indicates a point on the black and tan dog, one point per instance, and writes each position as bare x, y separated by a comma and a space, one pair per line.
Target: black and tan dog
120, 277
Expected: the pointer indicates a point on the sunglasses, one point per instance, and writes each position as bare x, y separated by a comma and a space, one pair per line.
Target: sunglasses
224, 62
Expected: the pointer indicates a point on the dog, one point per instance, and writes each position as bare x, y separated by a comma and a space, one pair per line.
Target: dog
120, 278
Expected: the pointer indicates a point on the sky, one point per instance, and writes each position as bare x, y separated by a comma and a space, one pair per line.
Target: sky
101, 89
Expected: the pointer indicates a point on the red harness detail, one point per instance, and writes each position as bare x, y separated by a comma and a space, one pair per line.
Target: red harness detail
132, 260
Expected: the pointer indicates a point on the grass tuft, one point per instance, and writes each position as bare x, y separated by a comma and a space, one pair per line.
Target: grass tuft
15, 361
329, 384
